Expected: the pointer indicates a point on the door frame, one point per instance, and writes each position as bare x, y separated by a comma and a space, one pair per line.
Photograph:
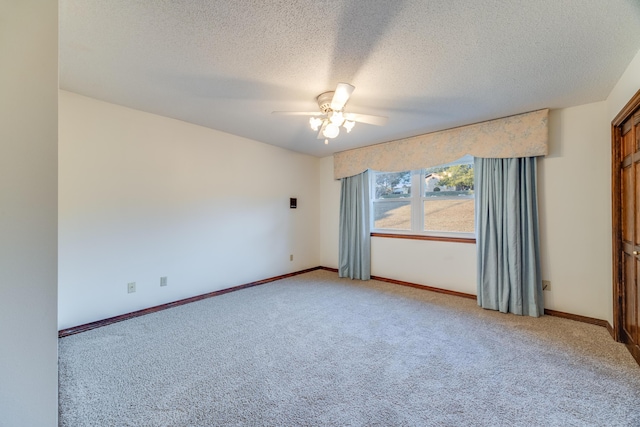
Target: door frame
616, 211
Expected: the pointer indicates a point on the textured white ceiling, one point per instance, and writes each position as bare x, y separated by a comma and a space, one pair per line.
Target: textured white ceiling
426, 64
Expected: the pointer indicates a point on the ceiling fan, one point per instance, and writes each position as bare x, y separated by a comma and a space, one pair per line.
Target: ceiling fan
332, 115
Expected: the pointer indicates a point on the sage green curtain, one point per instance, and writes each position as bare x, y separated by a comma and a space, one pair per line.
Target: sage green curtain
507, 236
354, 257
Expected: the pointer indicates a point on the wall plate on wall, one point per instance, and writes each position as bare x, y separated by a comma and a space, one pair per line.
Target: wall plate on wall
293, 203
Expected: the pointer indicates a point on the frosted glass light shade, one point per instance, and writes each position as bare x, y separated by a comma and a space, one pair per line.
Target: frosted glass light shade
315, 123
331, 130
348, 125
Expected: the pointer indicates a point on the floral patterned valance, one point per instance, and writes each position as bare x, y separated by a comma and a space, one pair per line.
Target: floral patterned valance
524, 135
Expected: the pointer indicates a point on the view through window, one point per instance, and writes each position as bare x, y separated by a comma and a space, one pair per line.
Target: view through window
424, 201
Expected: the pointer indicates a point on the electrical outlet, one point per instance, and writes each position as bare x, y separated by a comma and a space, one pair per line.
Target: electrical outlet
546, 285
163, 281
291, 257
131, 287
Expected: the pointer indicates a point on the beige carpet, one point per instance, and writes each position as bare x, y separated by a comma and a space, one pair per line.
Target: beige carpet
318, 350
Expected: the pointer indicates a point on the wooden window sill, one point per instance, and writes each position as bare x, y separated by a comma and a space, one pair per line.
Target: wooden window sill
422, 237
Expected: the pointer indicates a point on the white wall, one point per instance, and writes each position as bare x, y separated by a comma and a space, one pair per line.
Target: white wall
575, 212
28, 210
144, 196
329, 214
442, 265
575, 203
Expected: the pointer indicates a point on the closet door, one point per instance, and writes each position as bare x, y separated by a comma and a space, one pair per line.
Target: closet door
630, 196
626, 217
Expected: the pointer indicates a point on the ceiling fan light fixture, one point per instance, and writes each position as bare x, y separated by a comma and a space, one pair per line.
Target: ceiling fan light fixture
327, 122
348, 125
315, 123
331, 130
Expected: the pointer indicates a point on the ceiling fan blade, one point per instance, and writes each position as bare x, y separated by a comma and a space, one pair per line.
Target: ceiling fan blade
366, 118
297, 113
341, 96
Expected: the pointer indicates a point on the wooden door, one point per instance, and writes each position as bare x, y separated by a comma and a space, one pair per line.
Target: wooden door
630, 180
626, 222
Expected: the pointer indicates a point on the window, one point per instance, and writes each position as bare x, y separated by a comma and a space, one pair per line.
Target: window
433, 201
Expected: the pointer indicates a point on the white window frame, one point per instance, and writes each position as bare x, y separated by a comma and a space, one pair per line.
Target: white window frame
416, 202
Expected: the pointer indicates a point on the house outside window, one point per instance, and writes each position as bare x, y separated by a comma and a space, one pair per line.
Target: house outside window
436, 201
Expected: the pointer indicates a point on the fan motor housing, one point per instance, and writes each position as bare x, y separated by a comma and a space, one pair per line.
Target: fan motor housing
324, 101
